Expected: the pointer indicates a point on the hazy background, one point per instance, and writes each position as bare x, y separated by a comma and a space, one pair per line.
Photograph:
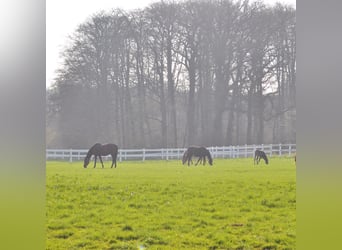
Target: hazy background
22, 126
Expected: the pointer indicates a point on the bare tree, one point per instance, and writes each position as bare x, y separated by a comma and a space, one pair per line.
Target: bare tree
175, 74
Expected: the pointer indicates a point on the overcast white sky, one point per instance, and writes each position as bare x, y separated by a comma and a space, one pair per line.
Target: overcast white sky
63, 16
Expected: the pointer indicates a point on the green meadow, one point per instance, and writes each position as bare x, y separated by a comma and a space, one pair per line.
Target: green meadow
165, 205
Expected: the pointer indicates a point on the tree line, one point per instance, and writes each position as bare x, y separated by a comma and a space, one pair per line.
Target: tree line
176, 74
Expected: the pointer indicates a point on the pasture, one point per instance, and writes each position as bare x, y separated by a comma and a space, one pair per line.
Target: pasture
165, 205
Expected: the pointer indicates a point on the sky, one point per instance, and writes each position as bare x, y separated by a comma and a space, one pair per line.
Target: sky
63, 17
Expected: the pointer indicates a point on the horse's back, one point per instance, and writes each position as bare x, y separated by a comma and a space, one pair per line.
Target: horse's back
110, 145
110, 148
258, 152
198, 151
105, 149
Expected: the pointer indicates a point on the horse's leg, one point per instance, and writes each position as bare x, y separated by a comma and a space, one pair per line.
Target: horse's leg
101, 161
204, 160
112, 161
95, 161
199, 161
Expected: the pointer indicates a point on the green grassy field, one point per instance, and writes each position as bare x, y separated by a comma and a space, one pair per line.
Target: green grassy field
165, 205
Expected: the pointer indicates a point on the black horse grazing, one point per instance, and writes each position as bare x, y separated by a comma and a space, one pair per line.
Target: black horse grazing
101, 150
200, 152
260, 155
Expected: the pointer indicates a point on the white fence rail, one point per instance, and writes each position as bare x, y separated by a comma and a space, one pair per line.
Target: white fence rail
242, 151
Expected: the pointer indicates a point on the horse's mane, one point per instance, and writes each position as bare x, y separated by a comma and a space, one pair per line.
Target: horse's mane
88, 154
90, 151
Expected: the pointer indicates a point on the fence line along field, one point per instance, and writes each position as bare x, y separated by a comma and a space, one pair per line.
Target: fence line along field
165, 205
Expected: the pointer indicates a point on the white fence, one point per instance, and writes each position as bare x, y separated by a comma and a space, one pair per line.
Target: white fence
242, 151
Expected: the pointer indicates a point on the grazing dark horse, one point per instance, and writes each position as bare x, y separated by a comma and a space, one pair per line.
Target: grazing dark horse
200, 152
101, 150
260, 155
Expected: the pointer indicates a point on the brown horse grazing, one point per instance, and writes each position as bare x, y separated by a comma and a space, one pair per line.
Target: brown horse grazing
101, 150
200, 152
260, 155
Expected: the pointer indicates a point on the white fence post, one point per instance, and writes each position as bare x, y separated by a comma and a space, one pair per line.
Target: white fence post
120, 156
290, 149
279, 149
70, 159
143, 156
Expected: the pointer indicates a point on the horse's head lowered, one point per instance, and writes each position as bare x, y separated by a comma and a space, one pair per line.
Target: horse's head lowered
210, 159
86, 161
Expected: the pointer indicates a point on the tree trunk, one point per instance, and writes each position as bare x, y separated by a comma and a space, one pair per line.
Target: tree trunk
220, 100
191, 103
141, 96
171, 91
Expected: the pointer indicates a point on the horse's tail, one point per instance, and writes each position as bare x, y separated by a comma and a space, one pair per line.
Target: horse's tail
185, 156
116, 149
210, 159
265, 158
